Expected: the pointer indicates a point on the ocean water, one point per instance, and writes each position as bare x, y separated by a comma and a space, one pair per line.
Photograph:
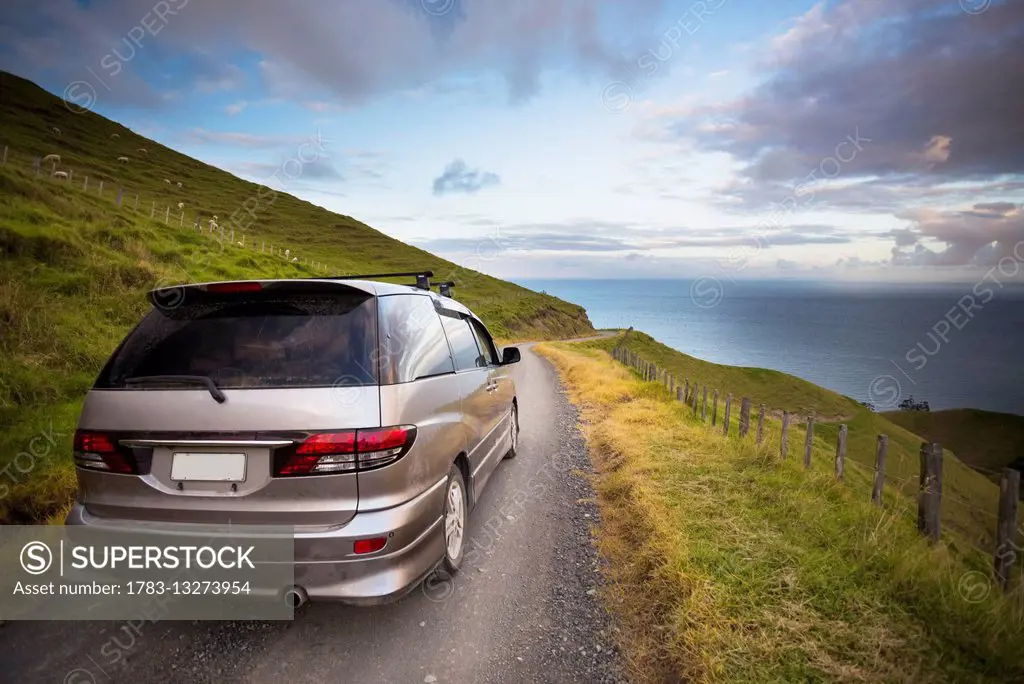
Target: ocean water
953, 346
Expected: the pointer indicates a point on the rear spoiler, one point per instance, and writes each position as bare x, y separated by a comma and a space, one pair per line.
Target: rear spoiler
172, 296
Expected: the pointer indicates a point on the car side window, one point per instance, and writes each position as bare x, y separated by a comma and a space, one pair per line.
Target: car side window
483, 339
412, 342
463, 341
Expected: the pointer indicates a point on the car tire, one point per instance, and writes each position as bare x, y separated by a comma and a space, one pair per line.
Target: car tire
514, 431
456, 512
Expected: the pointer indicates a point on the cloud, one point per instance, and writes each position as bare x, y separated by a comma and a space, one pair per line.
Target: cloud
236, 108
318, 169
979, 236
934, 93
237, 139
214, 78
583, 235
352, 50
457, 177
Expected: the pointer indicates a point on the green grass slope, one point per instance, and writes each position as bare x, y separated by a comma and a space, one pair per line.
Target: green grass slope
75, 269
727, 563
985, 440
970, 499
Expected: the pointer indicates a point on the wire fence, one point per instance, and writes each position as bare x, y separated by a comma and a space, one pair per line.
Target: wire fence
932, 501
158, 209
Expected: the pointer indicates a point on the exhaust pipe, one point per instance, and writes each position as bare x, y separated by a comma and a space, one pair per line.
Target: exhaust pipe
295, 596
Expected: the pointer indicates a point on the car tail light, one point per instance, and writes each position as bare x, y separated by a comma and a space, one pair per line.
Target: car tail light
98, 451
323, 453
380, 447
229, 288
373, 545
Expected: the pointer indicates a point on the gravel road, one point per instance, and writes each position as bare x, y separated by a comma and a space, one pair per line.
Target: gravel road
524, 607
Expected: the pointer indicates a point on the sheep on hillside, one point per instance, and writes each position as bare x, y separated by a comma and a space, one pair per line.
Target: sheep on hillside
240, 244
179, 184
287, 253
60, 175
295, 260
167, 181
56, 131
181, 205
142, 150
51, 158
123, 160
115, 136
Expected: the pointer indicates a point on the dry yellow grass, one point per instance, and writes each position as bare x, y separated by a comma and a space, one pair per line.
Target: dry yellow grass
729, 564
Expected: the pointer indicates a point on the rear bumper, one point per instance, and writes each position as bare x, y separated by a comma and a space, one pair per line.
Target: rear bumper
325, 565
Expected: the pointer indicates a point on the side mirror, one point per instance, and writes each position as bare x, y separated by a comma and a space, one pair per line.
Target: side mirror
510, 355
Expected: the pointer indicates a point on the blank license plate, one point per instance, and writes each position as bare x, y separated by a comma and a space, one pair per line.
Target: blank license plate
207, 467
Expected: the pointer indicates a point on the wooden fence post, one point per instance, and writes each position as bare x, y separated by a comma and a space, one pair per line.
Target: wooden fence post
672, 384
152, 209
120, 194
704, 406
679, 394
181, 219
1006, 528
85, 184
694, 398
686, 391
744, 416
808, 444
841, 453
167, 215
784, 441
714, 409
100, 191
880, 451
71, 175
136, 202
929, 498
725, 416
760, 425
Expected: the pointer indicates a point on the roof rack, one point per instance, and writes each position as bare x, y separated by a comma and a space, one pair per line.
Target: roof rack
445, 288
422, 277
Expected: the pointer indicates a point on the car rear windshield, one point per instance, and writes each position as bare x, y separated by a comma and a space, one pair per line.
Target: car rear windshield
266, 340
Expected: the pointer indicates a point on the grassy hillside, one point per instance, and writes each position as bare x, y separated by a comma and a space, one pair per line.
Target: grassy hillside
729, 564
775, 389
75, 269
969, 498
984, 440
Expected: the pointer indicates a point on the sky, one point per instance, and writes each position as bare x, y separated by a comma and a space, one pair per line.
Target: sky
844, 140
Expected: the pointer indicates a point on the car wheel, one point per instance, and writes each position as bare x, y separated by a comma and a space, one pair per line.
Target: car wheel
513, 432
455, 509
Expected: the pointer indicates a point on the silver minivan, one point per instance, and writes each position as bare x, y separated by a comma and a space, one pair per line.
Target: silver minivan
367, 415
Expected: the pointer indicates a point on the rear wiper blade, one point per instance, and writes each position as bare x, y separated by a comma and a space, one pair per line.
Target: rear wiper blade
182, 380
